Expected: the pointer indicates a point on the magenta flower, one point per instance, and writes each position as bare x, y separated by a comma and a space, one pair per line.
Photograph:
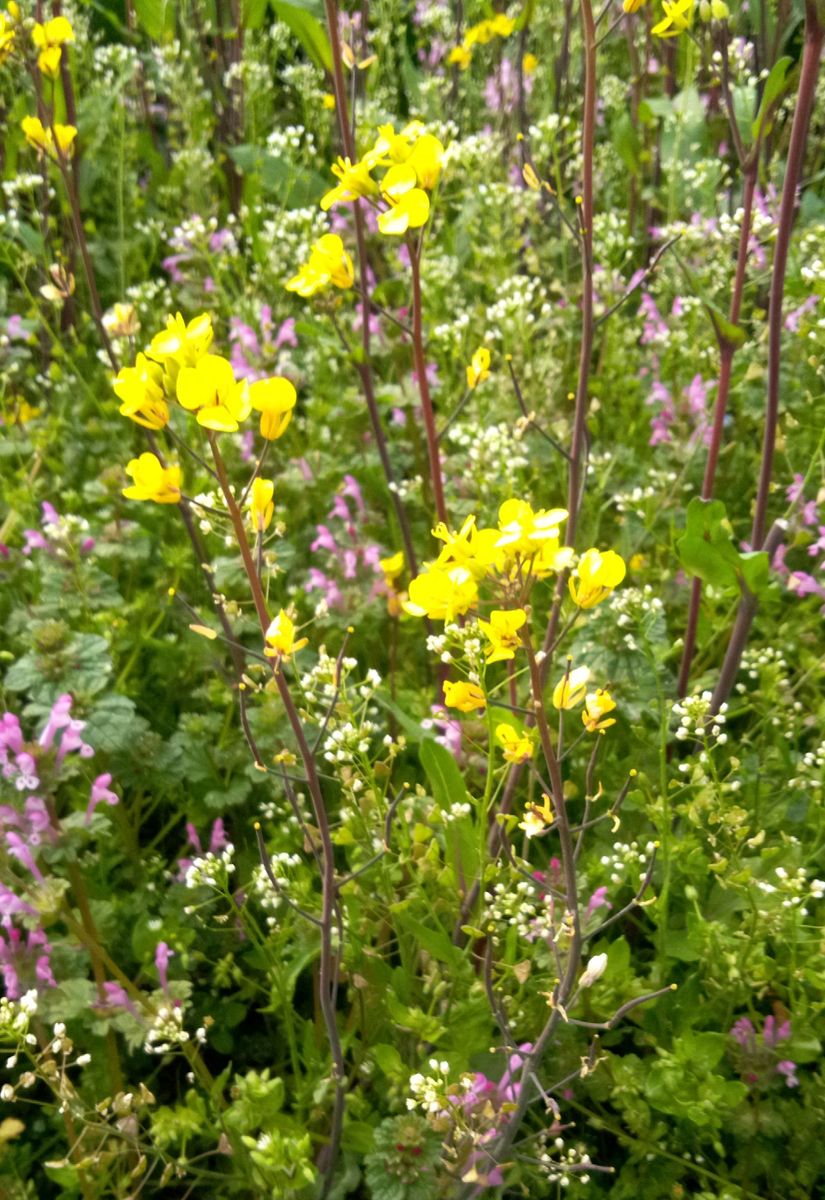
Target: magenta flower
100, 794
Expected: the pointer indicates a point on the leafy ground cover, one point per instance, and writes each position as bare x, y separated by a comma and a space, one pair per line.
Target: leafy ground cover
412, 532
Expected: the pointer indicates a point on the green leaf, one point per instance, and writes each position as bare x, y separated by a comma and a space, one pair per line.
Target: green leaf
442, 771
775, 85
157, 18
387, 1058
308, 30
434, 941
726, 332
707, 549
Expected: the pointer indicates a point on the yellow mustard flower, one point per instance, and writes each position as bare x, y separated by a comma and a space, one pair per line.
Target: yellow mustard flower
597, 574
280, 638
466, 697
48, 38
328, 263
472, 548
391, 147
460, 56
570, 691
140, 390
537, 817
632, 6
501, 632
479, 34
211, 390
7, 36
409, 204
426, 158
355, 181
182, 345
678, 18
529, 64
392, 567
502, 25
442, 595
328, 100
59, 143
522, 530
552, 557
517, 747
596, 707
151, 481
261, 508
479, 368
274, 399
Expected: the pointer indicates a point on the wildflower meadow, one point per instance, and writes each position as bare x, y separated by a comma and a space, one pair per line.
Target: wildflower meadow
412, 579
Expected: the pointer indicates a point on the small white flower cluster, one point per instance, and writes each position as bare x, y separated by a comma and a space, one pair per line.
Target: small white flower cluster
16, 1014
291, 139
211, 870
210, 500
269, 897
812, 761
627, 857
491, 450
429, 1092
795, 888
406, 488
514, 311
567, 1165
166, 1030
692, 714
518, 905
474, 151
343, 745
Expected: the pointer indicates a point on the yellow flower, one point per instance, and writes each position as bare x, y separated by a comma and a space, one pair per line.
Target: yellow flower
713, 10
472, 548
280, 638
595, 577
182, 345
260, 503
501, 632
552, 557
409, 205
442, 594
121, 320
140, 389
479, 34
425, 159
391, 147
328, 263
596, 706
392, 567
210, 389
502, 25
517, 747
632, 6
7, 35
274, 399
537, 817
466, 697
521, 530
678, 17
479, 368
48, 39
328, 100
570, 691
460, 56
355, 181
43, 139
529, 64
151, 481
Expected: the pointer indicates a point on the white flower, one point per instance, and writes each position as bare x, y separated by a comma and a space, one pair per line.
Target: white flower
594, 970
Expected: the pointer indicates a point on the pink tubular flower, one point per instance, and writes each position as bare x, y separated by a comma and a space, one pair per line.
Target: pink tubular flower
100, 794
162, 956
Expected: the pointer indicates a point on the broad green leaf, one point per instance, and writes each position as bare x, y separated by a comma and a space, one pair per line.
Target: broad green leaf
434, 941
442, 771
707, 549
157, 18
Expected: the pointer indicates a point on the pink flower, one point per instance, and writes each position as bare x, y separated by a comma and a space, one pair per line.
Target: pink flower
162, 956
100, 794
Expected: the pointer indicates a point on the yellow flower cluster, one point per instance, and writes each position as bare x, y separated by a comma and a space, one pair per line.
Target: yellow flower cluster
526, 541
411, 161
49, 39
328, 263
177, 366
499, 26
56, 141
571, 691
